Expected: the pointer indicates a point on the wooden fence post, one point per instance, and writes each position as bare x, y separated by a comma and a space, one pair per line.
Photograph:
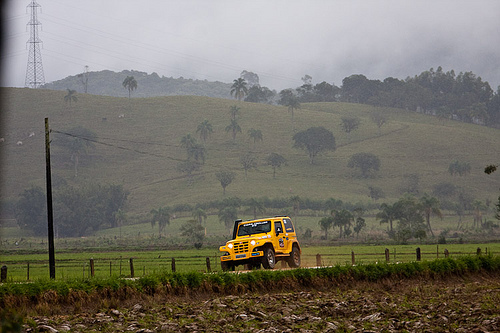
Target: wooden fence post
446, 253
110, 271
173, 265
131, 267
92, 272
318, 260
209, 269
478, 251
3, 273
28, 272
437, 251
419, 256
387, 255
352, 258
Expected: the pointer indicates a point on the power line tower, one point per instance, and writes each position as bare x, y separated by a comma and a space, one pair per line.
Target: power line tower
34, 72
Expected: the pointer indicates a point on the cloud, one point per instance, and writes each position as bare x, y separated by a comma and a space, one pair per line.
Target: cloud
279, 40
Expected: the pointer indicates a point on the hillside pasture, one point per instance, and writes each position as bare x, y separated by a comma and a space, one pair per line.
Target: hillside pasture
141, 150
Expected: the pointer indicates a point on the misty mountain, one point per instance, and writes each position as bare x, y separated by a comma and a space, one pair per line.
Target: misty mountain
109, 83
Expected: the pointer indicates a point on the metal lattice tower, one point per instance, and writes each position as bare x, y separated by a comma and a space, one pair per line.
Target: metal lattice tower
34, 72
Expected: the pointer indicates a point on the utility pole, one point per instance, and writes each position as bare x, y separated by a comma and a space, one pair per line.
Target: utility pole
50, 215
34, 71
85, 78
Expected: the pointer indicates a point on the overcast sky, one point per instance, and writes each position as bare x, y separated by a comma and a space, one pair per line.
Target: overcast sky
280, 40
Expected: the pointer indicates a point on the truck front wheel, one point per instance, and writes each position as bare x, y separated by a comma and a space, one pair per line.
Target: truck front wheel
269, 260
227, 266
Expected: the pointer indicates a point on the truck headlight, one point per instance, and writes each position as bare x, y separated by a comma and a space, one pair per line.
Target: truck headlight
252, 242
230, 245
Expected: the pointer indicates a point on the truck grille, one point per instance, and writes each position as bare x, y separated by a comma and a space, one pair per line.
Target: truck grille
241, 247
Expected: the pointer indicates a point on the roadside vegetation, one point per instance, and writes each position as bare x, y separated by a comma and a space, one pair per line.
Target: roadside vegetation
258, 280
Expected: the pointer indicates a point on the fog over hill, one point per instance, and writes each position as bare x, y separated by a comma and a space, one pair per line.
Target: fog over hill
280, 41
109, 83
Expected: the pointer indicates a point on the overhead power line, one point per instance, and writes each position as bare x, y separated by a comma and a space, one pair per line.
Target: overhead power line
234, 167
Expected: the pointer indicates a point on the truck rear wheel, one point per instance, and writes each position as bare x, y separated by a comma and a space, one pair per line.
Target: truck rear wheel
269, 260
294, 259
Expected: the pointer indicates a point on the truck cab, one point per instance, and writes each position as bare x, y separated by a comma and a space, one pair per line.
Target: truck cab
261, 242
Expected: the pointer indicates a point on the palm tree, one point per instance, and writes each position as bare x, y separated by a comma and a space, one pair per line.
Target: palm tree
188, 142
296, 201
198, 152
326, 223
70, 97
343, 219
193, 149
430, 205
161, 215
228, 215
255, 206
188, 167
205, 129
200, 215
239, 88
130, 83
332, 205
255, 135
234, 128
78, 142
478, 207
234, 110
119, 218
387, 214
289, 100
293, 104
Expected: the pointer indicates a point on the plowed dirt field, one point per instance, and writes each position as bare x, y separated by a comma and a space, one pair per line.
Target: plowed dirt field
453, 304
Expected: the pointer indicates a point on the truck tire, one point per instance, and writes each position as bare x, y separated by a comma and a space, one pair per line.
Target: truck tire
294, 259
269, 260
255, 265
226, 266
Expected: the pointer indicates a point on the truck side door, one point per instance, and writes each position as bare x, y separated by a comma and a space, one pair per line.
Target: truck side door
290, 235
280, 240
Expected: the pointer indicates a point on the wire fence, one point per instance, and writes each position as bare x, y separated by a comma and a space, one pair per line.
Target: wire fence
17, 271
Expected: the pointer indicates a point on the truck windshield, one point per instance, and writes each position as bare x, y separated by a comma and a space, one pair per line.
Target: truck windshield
254, 228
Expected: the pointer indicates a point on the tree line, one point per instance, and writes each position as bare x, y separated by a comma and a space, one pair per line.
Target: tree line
81, 211
464, 97
77, 210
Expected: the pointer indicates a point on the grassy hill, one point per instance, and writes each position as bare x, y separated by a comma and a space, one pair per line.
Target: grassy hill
139, 147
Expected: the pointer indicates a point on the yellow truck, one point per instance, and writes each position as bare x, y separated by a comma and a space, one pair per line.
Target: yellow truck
261, 242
